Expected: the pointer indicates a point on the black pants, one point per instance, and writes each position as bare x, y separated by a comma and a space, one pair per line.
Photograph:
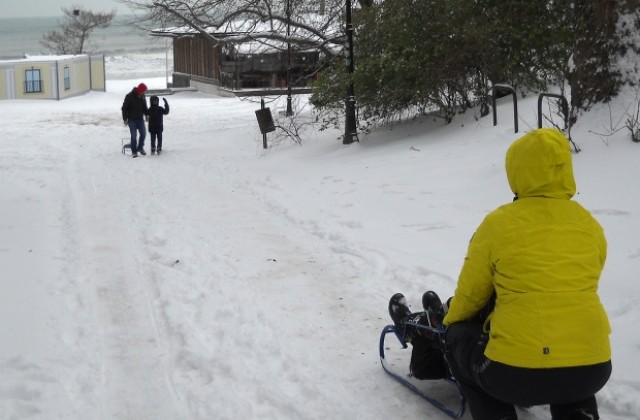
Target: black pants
153, 141
493, 389
427, 359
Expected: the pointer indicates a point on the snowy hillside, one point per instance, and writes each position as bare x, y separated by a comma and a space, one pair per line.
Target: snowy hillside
223, 281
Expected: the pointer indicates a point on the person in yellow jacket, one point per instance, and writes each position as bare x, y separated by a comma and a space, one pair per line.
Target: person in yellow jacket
535, 264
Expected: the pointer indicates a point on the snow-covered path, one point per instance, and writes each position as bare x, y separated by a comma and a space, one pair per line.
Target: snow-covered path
178, 283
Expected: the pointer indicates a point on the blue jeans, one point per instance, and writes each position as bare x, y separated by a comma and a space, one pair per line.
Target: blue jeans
137, 124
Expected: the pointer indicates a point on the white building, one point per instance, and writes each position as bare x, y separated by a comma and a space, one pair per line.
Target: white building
51, 77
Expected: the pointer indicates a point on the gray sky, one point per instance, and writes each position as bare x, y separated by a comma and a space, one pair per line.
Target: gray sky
38, 8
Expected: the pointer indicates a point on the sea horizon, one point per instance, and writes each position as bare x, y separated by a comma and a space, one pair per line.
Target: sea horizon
22, 36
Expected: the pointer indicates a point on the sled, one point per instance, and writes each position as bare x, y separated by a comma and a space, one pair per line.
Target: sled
444, 394
125, 146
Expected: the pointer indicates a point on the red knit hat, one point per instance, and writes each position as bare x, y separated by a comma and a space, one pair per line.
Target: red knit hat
142, 88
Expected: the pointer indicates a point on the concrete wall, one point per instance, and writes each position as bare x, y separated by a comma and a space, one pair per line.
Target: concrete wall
46, 76
4, 94
98, 73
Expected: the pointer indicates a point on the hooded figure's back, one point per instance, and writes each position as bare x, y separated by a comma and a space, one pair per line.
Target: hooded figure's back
543, 255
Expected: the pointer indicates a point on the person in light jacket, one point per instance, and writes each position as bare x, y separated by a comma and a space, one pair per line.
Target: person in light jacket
535, 263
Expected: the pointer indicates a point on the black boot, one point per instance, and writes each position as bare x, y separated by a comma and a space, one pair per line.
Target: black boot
435, 312
399, 312
431, 302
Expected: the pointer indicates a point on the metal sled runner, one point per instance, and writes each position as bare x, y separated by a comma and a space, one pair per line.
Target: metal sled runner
454, 409
125, 146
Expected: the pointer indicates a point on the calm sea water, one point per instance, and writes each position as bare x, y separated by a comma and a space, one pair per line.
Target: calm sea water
20, 36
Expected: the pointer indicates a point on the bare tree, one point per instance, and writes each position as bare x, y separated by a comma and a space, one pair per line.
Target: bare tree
74, 32
313, 24
632, 114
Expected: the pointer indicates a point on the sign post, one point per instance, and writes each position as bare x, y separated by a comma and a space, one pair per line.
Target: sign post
265, 121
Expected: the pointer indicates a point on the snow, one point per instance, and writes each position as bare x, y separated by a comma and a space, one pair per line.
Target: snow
223, 281
40, 58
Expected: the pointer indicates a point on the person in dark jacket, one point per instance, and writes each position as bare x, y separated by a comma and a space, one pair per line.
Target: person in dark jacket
134, 113
156, 117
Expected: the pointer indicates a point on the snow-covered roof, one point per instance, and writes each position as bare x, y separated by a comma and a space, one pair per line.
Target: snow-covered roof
42, 58
260, 31
244, 27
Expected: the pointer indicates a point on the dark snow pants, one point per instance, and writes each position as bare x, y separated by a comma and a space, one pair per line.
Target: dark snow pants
155, 135
493, 389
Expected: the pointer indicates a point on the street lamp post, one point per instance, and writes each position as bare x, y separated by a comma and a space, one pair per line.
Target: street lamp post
350, 132
289, 107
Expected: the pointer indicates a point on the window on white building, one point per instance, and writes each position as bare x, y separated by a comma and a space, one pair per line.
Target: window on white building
32, 83
67, 78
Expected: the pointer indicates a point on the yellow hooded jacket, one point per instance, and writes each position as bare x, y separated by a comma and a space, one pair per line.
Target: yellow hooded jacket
543, 255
